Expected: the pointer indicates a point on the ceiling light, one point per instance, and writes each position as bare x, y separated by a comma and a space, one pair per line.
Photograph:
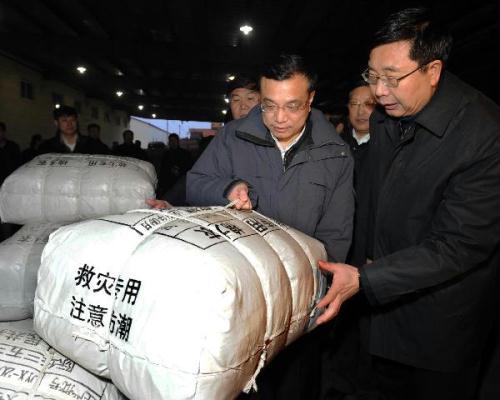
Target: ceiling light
246, 29
226, 100
153, 115
81, 69
119, 73
140, 107
224, 112
119, 93
231, 77
57, 105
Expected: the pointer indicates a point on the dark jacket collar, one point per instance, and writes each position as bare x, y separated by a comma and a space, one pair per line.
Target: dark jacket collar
439, 112
252, 128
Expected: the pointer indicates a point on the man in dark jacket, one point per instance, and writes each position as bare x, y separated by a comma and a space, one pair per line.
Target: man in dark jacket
286, 161
432, 218
68, 138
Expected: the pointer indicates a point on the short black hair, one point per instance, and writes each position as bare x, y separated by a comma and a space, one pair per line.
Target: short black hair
173, 135
64, 111
355, 85
287, 65
93, 125
127, 130
428, 39
242, 81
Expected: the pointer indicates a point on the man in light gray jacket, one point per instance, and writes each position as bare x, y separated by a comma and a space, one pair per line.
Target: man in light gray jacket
286, 161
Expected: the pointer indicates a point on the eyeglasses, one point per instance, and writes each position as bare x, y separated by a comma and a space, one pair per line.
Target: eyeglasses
366, 104
291, 108
388, 81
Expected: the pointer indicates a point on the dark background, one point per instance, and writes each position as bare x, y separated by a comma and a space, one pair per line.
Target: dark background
180, 52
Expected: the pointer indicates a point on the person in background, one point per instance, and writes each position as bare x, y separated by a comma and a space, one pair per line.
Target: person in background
175, 164
68, 138
361, 104
243, 95
10, 154
94, 131
32, 151
10, 160
128, 148
428, 269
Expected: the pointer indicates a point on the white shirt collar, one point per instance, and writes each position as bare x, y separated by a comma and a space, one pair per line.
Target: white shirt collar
360, 139
290, 145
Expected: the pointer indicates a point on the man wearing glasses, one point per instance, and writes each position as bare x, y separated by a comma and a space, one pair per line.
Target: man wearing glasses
432, 221
285, 160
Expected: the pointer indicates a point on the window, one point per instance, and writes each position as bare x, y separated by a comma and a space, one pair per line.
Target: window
27, 90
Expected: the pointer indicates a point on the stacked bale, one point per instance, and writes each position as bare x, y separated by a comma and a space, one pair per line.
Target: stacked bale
186, 303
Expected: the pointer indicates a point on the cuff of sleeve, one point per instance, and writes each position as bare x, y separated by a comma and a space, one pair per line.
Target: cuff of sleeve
364, 287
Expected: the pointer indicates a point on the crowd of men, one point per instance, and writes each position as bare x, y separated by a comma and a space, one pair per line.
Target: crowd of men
405, 201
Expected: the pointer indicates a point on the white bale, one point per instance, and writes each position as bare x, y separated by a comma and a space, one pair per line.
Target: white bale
74, 187
19, 262
190, 312
31, 369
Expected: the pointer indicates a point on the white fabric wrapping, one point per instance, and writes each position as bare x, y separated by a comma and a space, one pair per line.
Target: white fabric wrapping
19, 262
74, 187
31, 369
189, 312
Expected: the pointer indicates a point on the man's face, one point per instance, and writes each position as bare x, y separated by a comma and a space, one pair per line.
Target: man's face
94, 133
291, 101
173, 142
361, 105
67, 125
242, 101
128, 137
413, 92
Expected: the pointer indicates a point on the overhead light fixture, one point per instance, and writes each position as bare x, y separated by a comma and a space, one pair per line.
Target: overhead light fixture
246, 29
119, 73
231, 77
81, 69
224, 112
140, 107
226, 100
119, 93
153, 115
57, 105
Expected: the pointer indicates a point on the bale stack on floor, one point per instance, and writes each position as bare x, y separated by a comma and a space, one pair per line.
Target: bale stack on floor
44, 194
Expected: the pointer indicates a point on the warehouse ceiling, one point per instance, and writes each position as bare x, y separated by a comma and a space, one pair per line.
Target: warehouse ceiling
174, 56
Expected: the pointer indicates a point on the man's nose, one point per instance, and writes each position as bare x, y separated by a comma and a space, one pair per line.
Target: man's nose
280, 115
380, 88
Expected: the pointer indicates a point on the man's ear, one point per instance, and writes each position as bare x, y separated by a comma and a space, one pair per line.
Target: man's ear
311, 98
434, 69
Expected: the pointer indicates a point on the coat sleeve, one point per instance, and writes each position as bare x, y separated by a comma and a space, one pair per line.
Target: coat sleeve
464, 233
336, 224
212, 174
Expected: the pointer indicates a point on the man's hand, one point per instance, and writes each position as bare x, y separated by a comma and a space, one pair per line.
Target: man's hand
158, 204
239, 192
345, 284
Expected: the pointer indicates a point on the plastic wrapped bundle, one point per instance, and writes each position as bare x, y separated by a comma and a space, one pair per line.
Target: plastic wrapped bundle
31, 369
74, 187
189, 303
19, 262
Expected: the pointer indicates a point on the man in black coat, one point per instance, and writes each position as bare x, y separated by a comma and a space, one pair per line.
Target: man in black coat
68, 138
431, 227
